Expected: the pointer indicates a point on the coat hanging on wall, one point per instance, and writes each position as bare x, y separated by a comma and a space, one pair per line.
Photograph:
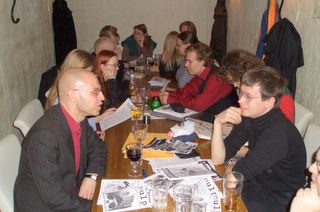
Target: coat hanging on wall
269, 18
65, 38
219, 31
283, 51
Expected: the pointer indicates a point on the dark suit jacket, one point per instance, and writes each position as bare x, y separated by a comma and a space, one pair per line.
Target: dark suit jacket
46, 179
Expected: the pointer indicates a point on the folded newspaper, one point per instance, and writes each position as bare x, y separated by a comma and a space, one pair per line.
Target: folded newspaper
204, 129
167, 112
191, 170
159, 81
124, 195
167, 145
121, 115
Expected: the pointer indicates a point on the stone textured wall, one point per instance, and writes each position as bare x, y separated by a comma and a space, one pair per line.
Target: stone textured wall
243, 32
26, 50
161, 17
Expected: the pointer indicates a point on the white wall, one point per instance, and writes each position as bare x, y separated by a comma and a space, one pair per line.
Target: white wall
160, 16
243, 31
26, 50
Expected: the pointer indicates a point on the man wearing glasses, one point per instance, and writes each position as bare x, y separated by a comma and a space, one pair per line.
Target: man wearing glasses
274, 166
62, 156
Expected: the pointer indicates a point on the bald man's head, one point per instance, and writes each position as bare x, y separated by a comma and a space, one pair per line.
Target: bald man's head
104, 43
72, 78
80, 91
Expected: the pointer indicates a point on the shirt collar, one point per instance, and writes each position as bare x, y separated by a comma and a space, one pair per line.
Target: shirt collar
204, 73
74, 126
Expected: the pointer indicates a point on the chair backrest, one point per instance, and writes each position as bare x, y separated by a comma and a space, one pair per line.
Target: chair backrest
311, 140
302, 118
28, 115
10, 150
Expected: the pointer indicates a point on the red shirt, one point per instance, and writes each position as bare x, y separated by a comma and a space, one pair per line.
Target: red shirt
76, 131
189, 96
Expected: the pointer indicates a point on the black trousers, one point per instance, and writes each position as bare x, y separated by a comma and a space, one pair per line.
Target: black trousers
260, 199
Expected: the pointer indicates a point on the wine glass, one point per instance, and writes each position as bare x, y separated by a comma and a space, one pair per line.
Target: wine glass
136, 112
139, 131
134, 152
136, 109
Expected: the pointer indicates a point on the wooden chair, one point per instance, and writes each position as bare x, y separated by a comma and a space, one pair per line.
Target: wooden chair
28, 115
10, 150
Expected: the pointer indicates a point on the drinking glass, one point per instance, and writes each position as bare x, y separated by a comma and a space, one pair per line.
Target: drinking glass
136, 109
139, 130
136, 112
134, 152
182, 197
160, 186
232, 188
156, 59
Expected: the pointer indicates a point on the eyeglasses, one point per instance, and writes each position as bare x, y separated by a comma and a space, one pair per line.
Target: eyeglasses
114, 65
246, 96
94, 92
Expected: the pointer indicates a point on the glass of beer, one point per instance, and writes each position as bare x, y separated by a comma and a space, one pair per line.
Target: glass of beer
232, 188
136, 112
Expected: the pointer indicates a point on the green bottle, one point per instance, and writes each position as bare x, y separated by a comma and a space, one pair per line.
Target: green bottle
155, 102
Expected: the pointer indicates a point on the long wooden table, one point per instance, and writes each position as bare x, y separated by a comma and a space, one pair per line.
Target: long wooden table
117, 166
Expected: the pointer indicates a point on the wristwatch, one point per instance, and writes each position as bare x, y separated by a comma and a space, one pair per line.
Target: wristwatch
92, 176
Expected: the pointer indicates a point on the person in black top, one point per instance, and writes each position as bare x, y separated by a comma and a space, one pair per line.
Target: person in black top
170, 58
274, 166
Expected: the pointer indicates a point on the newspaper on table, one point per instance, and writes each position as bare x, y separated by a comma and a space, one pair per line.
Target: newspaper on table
171, 145
166, 111
191, 170
120, 115
204, 129
205, 190
159, 81
124, 195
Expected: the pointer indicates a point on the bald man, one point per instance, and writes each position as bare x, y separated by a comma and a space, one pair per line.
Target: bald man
61, 155
107, 43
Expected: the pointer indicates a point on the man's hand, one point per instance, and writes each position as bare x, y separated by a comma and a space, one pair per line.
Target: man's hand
101, 134
163, 97
87, 188
306, 200
232, 115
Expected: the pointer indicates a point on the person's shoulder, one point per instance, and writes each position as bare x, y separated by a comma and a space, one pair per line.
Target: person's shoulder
128, 40
53, 119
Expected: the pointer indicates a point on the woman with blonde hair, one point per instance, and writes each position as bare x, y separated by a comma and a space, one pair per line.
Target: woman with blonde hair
170, 58
77, 58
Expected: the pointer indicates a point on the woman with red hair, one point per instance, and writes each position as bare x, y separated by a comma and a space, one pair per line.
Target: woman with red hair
106, 69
